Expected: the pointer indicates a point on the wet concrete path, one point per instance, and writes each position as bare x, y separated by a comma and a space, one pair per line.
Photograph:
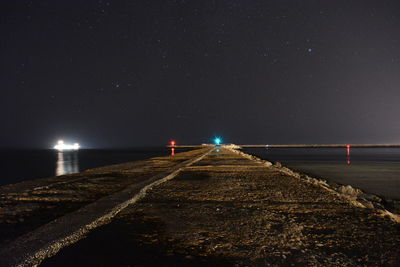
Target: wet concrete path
226, 210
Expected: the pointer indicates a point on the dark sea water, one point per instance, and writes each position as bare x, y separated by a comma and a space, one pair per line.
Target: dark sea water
21, 165
374, 170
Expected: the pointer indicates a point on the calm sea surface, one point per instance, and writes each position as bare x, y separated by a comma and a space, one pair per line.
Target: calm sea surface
374, 170
21, 165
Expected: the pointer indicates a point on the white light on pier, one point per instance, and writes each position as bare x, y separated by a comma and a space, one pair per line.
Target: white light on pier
62, 146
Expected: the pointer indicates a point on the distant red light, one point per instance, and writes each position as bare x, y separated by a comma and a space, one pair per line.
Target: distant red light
172, 143
348, 146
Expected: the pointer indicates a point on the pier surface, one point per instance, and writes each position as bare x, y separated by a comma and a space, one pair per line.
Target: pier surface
212, 206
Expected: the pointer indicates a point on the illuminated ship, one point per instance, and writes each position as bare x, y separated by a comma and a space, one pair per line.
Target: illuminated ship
61, 146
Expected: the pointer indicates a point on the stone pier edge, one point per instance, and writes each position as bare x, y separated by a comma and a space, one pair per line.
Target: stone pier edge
355, 196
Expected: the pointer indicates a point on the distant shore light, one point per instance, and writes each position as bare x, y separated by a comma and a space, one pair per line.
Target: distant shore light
62, 146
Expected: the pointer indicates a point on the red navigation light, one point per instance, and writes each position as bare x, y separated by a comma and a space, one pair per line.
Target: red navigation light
172, 143
348, 146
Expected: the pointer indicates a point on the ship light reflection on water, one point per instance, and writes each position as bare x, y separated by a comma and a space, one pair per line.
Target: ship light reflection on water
67, 162
62, 146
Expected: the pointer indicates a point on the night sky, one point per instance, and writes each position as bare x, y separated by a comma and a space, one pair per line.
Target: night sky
134, 73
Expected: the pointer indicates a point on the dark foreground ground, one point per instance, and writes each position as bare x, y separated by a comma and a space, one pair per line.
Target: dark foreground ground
224, 210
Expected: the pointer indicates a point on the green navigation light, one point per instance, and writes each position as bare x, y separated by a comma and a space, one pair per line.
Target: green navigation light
217, 141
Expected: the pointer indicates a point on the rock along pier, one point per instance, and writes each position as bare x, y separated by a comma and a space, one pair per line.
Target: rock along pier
211, 205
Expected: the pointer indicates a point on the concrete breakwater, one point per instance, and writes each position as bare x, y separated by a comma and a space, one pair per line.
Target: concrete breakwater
219, 207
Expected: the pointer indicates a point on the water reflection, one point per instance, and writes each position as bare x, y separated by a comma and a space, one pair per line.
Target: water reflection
348, 155
172, 151
67, 162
